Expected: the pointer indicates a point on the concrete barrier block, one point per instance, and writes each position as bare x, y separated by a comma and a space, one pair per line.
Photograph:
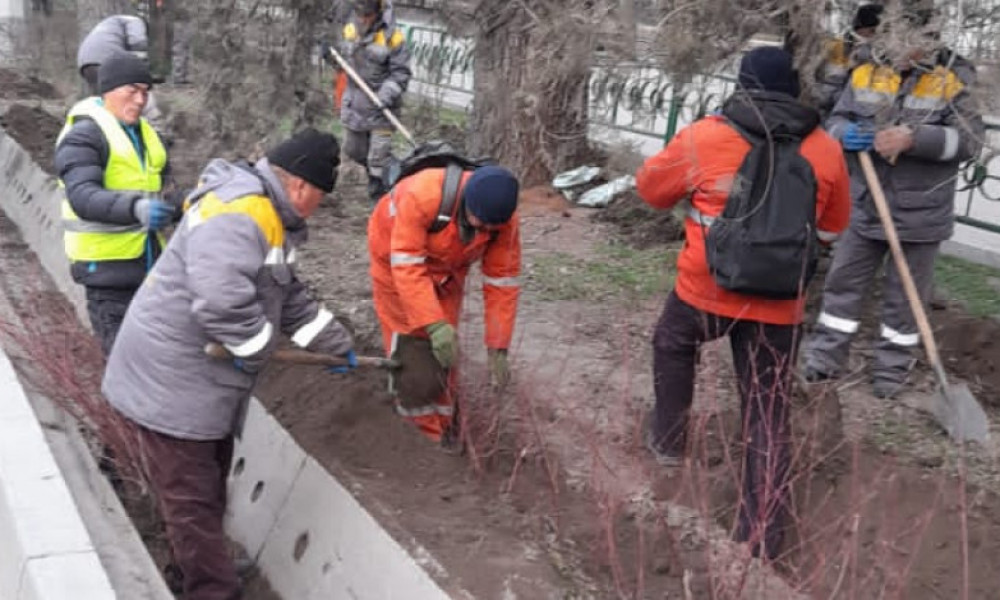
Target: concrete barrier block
326, 546
76, 576
266, 462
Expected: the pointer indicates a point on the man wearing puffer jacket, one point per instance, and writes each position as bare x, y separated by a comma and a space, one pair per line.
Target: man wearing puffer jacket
376, 49
226, 276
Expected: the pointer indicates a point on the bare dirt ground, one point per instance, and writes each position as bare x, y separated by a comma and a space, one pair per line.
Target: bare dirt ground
556, 497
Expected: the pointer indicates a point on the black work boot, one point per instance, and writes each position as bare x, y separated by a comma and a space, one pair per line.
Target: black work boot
376, 188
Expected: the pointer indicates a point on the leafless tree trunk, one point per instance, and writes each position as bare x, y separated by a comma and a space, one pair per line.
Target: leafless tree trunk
532, 62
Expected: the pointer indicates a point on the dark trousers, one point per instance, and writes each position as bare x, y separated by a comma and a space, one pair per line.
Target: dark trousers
763, 356
188, 480
106, 308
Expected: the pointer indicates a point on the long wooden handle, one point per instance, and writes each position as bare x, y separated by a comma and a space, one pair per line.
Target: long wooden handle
304, 357
371, 95
919, 314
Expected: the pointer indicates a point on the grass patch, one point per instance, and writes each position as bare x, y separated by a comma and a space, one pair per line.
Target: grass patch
623, 272
976, 287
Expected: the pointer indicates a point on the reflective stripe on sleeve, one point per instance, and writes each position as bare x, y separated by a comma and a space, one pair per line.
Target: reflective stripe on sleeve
254, 344
827, 236
398, 259
951, 139
698, 217
275, 257
502, 281
900, 339
838, 323
424, 411
304, 335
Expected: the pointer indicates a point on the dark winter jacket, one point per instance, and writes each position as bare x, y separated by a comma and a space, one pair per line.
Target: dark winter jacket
80, 158
937, 103
382, 60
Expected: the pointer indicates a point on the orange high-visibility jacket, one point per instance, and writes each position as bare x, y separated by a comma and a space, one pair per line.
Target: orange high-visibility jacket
424, 269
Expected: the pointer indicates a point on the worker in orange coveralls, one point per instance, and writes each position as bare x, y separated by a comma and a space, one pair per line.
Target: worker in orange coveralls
418, 277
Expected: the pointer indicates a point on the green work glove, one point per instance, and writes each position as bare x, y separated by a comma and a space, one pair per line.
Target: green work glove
444, 342
499, 368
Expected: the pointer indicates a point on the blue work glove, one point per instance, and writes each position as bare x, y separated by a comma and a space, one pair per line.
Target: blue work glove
352, 363
856, 139
154, 214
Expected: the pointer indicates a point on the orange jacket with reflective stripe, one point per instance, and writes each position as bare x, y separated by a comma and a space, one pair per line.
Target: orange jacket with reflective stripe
700, 163
422, 266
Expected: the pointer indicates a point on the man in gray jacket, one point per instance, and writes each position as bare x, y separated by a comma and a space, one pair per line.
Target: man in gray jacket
376, 49
920, 117
115, 35
226, 276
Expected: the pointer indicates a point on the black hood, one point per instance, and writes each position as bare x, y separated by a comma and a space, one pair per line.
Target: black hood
769, 113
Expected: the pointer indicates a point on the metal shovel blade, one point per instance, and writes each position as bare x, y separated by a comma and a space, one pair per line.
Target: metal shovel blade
957, 410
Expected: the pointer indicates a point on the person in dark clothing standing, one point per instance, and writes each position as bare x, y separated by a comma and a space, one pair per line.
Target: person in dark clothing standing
703, 164
112, 165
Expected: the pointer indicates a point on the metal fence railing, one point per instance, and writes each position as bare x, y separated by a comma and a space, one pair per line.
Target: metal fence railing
639, 101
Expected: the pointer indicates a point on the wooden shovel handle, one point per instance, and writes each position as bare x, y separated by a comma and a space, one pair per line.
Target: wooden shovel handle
304, 357
919, 314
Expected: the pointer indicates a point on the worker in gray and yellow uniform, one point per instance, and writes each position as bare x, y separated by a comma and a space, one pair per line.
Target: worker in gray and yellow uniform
376, 49
112, 165
227, 276
919, 116
843, 54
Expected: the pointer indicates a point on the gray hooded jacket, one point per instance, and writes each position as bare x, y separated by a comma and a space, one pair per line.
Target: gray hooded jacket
382, 60
227, 276
937, 103
118, 33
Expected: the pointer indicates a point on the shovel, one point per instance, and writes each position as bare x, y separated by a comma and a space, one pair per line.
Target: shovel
372, 96
304, 357
955, 408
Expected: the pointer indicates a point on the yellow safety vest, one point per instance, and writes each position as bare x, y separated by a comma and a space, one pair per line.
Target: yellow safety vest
95, 241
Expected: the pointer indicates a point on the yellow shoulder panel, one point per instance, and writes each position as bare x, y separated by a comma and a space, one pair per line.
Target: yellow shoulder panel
258, 208
876, 78
396, 40
939, 83
350, 32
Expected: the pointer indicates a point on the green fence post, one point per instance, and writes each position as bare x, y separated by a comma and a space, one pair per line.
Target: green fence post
675, 110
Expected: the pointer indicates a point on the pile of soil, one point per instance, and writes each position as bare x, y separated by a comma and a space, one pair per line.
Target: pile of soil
639, 225
970, 348
17, 85
35, 130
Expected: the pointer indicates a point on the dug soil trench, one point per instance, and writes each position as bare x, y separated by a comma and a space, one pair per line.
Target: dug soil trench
557, 498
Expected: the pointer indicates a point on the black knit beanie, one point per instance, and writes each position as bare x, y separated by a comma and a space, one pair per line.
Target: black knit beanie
491, 194
770, 69
311, 155
868, 16
122, 69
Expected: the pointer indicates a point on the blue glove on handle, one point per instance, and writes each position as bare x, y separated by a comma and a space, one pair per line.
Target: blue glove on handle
352, 363
154, 214
856, 139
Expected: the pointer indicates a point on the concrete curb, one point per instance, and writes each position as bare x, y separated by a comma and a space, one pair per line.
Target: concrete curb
310, 537
46, 552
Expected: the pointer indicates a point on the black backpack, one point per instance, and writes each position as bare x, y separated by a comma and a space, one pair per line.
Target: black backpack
435, 154
765, 241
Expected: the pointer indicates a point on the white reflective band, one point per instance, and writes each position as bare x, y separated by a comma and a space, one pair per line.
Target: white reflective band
869, 96
291, 256
695, 215
503, 281
928, 103
194, 218
392, 207
827, 236
838, 323
254, 344
275, 257
307, 333
951, 139
425, 411
900, 339
398, 258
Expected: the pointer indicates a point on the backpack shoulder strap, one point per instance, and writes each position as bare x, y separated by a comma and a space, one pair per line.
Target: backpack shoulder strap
449, 197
